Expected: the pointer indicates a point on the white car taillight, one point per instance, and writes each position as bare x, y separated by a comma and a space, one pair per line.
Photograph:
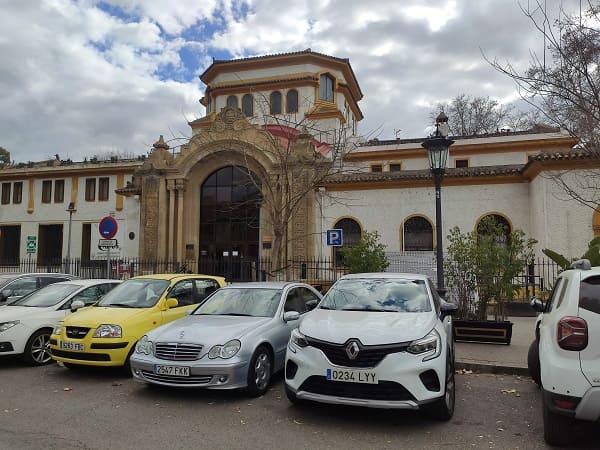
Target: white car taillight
572, 333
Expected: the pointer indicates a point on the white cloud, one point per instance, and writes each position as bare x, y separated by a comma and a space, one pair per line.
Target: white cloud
77, 80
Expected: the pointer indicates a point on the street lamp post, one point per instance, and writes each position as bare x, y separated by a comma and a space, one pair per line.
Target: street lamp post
71, 209
438, 146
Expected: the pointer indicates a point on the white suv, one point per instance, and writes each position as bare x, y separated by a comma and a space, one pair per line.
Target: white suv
381, 340
564, 359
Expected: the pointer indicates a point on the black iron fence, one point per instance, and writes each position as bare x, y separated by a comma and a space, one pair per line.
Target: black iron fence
536, 278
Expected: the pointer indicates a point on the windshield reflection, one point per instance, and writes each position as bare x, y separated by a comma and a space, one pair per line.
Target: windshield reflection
47, 296
401, 295
142, 293
242, 302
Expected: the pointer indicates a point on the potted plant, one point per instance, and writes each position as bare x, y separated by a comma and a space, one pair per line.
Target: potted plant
480, 270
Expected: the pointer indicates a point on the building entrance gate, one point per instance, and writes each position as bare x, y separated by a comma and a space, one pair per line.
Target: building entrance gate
230, 201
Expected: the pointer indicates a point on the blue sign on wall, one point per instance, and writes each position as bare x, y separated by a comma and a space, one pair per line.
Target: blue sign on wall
335, 237
108, 227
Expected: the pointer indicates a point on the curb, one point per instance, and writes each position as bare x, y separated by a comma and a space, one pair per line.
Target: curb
491, 368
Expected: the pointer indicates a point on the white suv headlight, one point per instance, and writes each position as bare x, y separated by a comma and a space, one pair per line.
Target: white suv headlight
144, 346
7, 325
430, 345
298, 339
108, 331
58, 328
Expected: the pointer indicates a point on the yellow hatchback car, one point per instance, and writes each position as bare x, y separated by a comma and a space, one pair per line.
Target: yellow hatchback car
105, 334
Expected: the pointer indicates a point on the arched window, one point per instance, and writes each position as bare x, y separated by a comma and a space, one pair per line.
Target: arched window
351, 235
326, 83
291, 101
232, 101
248, 105
494, 223
276, 102
417, 235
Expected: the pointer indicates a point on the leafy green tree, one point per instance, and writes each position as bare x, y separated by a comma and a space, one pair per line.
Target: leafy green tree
490, 260
4, 157
368, 255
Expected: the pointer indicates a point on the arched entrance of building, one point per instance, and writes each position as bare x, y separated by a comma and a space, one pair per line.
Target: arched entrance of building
230, 201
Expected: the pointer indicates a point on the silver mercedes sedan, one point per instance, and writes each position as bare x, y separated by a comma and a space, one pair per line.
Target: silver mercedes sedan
235, 339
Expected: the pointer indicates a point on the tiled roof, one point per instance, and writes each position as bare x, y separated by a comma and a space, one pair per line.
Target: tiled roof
307, 51
467, 172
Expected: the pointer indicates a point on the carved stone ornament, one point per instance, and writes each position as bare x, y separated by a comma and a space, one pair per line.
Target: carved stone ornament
229, 118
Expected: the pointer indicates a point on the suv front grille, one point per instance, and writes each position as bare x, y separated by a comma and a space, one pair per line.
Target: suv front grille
368, 355
384, 390
176, 351
77, 332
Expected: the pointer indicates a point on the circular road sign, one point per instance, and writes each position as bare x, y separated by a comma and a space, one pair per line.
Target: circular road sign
108, 227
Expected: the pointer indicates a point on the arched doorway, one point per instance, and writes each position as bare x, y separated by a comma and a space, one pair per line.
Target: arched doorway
230, 201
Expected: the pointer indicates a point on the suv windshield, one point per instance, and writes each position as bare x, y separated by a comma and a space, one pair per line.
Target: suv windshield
48, 296
140, 293
370, 294
242, 302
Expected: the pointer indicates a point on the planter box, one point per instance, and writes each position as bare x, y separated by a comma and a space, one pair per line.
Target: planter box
485, 331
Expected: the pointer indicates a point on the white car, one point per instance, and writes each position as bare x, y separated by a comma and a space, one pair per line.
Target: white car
381, 340
26, 325
564, 359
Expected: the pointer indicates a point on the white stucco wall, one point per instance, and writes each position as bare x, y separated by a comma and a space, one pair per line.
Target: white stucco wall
385, 210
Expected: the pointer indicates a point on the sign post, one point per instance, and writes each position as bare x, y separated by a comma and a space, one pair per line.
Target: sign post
108, 229
335, 238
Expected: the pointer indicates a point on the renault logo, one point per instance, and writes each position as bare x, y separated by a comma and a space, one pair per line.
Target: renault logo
352, 350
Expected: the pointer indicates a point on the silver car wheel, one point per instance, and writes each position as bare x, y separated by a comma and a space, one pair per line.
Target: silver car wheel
38, 348
262, 371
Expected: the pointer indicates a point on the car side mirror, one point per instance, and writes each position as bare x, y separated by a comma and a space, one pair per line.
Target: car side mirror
289, 316
311, 304
447, 309
76, 305
172, 303
5, 294
537, 304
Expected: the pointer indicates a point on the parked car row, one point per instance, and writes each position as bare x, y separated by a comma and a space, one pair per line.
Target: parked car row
379, 340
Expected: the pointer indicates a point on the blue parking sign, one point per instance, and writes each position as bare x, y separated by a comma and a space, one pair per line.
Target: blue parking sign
335, 237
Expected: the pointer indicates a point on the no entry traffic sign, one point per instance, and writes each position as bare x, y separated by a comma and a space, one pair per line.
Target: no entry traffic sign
108, 227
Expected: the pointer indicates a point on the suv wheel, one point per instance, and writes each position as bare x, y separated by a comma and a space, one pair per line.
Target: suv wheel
443, 409
557, 428
533, 362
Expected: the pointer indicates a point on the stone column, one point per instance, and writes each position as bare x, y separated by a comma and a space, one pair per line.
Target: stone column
171, 230
180, 186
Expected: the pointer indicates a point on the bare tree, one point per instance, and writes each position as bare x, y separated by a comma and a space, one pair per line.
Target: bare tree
470, 116
564, 83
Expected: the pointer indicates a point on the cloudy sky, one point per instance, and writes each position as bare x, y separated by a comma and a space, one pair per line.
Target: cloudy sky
83, 77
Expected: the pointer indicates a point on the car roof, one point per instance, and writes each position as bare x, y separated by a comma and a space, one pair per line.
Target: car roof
385, 275
265, 284
172, 276
87, 282
37, 274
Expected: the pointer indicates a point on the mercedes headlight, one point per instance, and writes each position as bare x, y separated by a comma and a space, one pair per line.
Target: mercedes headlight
8, 325
108, 331
225, 351
144, 346
430, 345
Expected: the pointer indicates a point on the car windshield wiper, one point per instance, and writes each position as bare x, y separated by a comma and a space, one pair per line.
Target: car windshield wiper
235, 314
327, 307
118, 305
370, 309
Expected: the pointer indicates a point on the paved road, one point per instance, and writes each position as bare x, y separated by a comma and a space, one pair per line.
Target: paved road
55, 408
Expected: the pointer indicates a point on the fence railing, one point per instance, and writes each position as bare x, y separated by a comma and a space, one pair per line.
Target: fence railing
536, 278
